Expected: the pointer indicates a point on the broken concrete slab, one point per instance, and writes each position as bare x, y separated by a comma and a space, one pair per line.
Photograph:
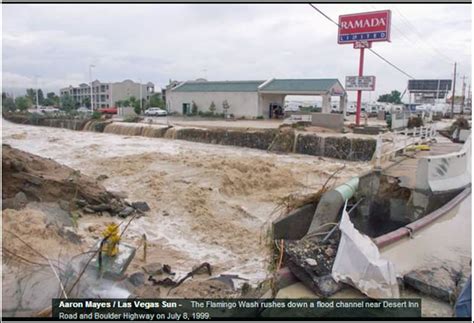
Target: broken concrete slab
142, 206
312, 263
154, 268
114, 267
441, 282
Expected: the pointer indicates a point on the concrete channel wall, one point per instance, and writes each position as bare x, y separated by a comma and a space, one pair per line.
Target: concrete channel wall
284, 140
445, 172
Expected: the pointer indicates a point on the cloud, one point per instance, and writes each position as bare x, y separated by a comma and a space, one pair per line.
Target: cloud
164, 41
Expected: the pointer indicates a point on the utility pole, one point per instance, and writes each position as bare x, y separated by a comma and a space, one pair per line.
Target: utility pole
90, 79
463, 94
141, 100
454, 91
469, 98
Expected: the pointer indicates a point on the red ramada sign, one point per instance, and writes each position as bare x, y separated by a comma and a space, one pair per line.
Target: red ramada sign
368, 26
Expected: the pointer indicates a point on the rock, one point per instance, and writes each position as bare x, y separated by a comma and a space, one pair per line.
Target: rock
17, 202
311, 262
105, 213
165, 213
100, 207
329, 252
101, 177
142, 206
154, 268
88, 210
71, 236
64, 205
126, 212
137, 279
201, 271
115, 206
80, 203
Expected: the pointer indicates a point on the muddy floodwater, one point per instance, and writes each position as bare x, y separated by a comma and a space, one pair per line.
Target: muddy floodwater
209, 203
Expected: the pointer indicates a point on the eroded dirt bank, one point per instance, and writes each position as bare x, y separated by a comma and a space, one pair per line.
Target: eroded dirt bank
208, 203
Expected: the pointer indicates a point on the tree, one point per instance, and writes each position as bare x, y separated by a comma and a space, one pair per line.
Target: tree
31, 94
194, 108
137, 110
212, 107
52, 98
87, 102
157, 101
393, 97
23, 103
225, 107
67, 102
8, 104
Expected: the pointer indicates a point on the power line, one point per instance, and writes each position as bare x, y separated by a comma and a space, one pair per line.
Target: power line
370, 49
417, 33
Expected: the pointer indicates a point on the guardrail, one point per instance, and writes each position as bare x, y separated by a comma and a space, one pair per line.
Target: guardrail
391, 142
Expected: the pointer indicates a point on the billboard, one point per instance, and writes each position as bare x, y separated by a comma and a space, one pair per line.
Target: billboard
431, 86
360, 83
367, 26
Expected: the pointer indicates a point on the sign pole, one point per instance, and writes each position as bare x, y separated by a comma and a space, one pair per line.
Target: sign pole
359, 92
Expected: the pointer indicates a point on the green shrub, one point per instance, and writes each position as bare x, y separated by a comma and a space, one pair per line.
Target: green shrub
136, 109
260, 118
132, 119
96, 115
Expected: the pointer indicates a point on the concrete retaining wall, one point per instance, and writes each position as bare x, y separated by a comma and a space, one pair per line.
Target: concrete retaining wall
328, 120
333, 121
336, 147
243, 138
277, 140
72, 124
445, 172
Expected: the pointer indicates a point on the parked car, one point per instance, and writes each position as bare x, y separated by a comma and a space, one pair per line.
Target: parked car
48, 109
110, 110
155, 112
84, 110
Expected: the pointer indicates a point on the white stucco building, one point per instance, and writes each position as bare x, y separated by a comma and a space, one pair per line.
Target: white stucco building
106, 95
250, 99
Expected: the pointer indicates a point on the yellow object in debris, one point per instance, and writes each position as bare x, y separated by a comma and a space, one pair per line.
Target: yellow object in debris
418, 147
110, 246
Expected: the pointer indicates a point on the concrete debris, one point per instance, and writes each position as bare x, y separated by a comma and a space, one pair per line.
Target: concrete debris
101, 178
442, 283
142, 206
229, 279
126, 212
311, 263
153, 269
137, 279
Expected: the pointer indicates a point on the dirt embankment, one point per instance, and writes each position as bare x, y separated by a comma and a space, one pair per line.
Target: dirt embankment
32, 178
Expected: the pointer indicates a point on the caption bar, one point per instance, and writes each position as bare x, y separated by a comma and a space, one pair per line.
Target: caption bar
215, 309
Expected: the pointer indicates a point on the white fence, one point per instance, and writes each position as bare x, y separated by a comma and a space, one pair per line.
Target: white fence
391, 142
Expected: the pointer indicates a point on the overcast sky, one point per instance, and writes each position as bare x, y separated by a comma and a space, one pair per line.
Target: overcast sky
224, 42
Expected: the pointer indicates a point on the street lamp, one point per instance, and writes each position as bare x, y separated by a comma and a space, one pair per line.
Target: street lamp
90, 79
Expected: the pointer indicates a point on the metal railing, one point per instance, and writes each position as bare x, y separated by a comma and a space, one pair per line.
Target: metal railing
388, 144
